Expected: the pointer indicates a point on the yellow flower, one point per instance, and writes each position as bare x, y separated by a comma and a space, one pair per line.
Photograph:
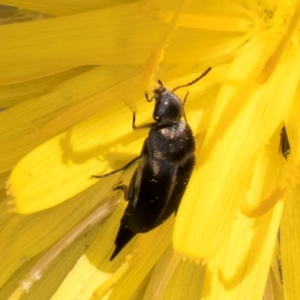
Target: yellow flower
66, 83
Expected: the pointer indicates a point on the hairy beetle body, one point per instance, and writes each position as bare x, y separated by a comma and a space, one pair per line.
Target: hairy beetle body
165, 166
159, 182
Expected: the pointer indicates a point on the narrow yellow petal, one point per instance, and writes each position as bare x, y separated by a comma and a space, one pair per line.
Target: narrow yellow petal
185, 47
86, 271
157, 54
24, 237
269, 170
274, 287
162, 274
29, 51
38, 119
292, 122
63, 166
290, 244
15, 93
61, 8
285, 42
240, 268
148, 249
215, 23
245, 117
95, 270
175, 278
225, 16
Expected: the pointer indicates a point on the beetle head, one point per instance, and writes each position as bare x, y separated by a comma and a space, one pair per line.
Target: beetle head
168, 107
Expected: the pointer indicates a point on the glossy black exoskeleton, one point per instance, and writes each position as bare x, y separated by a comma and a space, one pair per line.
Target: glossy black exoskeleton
165, 166
284, 146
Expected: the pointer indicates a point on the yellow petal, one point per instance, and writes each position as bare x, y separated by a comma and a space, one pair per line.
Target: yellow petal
63, 166
217, 16
15, 93
269, 170
290, 244
240, 268
86, 270
24, 237
94, 269
245, 117
38, 119
175, 278
274, 288
292, 122
58, 8
29, 51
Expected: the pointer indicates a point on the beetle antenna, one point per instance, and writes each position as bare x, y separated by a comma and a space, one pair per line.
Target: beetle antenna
194, 81
160, 83
183, 102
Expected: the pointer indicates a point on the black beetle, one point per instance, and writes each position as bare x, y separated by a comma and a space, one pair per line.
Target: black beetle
165, 166
284, 146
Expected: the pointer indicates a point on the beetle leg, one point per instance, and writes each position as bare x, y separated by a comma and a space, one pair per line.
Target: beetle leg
118, 170
124, 188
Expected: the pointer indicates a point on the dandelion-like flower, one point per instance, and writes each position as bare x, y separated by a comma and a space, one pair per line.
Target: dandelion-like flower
68, 84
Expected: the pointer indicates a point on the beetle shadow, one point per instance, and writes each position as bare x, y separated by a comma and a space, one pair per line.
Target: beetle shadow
71, 155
